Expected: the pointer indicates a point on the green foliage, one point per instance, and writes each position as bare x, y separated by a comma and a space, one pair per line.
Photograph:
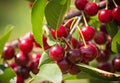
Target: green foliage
7, 76
116, 43
55, 12
4, 38
49, 72
37, 17
112, 28
94, 21
100, 74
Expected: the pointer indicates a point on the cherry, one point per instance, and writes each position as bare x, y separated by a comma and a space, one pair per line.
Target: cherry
45, 44
74, 55
31, 4
22, 71
36, 56
88, 32
74, 42
91, 9
63, 65
57, 52
8, 52
22, 58
116, 13
106, 66
103, 56
26, 45
53, 33
80, 4
103, 28
105, 16
62, 32
100, 38
20, 79
89, 53
116, 63
74, 69
12, 65
30, 36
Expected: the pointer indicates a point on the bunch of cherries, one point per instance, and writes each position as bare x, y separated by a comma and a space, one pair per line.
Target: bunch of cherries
92, 44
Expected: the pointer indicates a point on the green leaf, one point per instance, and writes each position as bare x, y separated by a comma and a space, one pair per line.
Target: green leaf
100, 74
45, 58
31, 0
94, 22
4, 38
55, 12
112, 28
7, 75
116, 43
37, 17
48, 72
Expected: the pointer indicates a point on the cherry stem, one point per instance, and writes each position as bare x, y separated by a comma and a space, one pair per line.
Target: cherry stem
86, 24
106, 4
67, 43
115, 3
82, 37
74, 27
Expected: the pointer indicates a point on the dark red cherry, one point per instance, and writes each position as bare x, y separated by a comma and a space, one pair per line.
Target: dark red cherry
103, 56
106, 66
26, 45
116, 63
64, 65
22, 71
12, 65
100, 38
80, 4
74, 69
103, 28
22, 59
89, 53
91, 9
74, 55
116, 13
20, 79
57, 52
8, 52
74, 42
88, 32
62, 32
105, 16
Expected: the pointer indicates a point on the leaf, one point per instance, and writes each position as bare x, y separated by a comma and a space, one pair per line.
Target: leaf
116, 43
7, 76
37, 18
55, 12
45, 58
31, 0
112, 28
100, 74
48, 72
94, 22
4, 38
50, 40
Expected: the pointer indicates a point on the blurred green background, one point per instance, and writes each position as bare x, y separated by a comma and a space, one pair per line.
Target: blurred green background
17, 13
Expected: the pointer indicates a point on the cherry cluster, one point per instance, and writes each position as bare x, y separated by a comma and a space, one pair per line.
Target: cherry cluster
22, 60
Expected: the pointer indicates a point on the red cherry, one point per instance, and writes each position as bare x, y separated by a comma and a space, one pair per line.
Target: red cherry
74, 69
53, 33
62, 32
30, 36
116, 13
80, 4
74, 42
91, 9
100, 38
88, 32
103, 28
57, 52
13, 65
74, 55
20, 79
116, 63
8, 52
26, 45
22, 59
63, 65
105, 16
103, 56
89, 53
106, 66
